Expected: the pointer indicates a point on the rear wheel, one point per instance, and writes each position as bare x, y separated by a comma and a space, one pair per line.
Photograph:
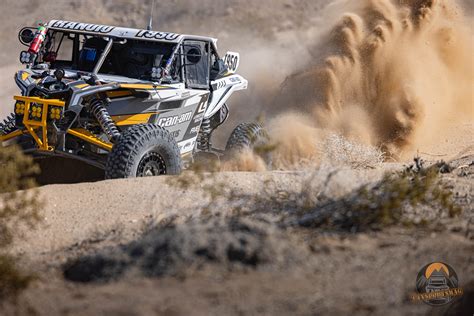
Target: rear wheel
144, 151
247, 136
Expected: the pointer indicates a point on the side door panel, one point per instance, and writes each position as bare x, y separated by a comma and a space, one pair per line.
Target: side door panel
196, 64
184, 122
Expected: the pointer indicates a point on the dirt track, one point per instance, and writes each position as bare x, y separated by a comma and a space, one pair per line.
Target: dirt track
75, 212
366, 273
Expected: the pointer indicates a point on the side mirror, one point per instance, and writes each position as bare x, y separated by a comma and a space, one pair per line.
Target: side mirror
26, 35
193, 56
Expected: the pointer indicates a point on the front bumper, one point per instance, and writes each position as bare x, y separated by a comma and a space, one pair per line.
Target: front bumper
34, 113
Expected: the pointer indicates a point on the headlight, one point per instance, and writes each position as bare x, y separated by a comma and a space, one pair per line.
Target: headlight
156, 72
19, 108
25, 57
55, 113
36, 111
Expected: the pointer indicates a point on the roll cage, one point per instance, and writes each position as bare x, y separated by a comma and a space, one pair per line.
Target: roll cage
193, 60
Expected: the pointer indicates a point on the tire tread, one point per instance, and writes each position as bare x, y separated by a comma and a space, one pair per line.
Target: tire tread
121, 159
245, 135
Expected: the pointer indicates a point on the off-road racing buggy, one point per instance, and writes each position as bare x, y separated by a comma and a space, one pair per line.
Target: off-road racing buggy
132, 102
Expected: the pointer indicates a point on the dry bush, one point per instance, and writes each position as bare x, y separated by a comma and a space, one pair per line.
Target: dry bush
222, 244
389, 202
201, 176
18, 209
415, 196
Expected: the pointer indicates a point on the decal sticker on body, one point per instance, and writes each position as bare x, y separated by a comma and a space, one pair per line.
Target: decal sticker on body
175, 120
157, 35
83, 27
185, 122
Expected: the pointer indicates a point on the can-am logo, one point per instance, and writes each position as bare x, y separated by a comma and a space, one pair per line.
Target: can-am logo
82, 26
175, 120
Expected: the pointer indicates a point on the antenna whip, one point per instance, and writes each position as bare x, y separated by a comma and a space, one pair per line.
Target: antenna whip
150, 22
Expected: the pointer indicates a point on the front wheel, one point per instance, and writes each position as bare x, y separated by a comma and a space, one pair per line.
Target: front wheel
144, 151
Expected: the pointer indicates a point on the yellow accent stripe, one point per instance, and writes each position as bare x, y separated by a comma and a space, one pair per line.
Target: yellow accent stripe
14, 134
137, 86
80, 86
24, 76
122, 120
117, 94
91, 138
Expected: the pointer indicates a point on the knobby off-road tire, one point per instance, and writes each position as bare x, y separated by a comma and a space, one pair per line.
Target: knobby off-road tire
8, 125
246, 136
144, 150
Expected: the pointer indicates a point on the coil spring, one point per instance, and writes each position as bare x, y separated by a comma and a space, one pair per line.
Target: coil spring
103, 117
8, 125
204, 141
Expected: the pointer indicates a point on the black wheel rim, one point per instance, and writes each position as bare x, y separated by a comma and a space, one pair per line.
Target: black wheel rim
151, 165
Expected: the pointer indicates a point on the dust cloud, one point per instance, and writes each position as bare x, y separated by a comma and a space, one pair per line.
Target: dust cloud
389, 74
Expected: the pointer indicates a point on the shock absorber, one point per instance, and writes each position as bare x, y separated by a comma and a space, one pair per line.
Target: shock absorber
204, 140
103, 117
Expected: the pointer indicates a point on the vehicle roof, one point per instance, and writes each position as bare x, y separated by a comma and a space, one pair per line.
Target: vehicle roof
123, 32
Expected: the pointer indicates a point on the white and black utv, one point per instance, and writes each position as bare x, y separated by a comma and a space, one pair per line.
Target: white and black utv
132, 102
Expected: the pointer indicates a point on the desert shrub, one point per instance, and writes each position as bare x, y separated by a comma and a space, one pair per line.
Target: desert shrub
227, 244
416, 196
18, 209
387, 202
12, 280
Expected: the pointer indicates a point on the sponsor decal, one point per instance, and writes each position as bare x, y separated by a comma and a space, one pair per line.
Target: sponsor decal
195, 125
198, 118
175, 134
234, 79
175, 120
194, 130
220, 84
437, 284
83, 27
157, 35
203, 104
188, 146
